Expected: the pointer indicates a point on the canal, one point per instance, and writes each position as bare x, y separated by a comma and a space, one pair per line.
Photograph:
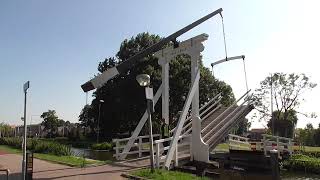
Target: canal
104, 155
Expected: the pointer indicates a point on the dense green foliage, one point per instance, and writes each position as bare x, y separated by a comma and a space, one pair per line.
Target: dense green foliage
82, 143
309, 136
5, 130
51, 122
38, 146
102, 146
300, 162
284, 123
66, 160
124, 100
161, 174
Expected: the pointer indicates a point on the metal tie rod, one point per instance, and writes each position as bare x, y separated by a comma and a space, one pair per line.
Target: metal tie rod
227, 59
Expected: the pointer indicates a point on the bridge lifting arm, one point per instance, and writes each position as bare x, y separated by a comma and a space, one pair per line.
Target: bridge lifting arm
122, 68
228, 59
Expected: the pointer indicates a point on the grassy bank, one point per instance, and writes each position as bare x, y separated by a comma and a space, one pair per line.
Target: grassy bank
161, 174
66, 160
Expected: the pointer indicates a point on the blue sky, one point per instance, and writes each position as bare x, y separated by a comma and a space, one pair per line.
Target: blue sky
57, 45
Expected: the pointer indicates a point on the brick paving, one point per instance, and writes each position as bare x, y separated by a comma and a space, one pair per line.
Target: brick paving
44, 170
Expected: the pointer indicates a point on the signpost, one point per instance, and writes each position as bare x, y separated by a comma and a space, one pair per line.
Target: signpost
24, 167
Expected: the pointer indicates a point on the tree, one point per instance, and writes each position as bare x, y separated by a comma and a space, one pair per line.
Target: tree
124, 100
5, 130
287, 96
51, 122
87, 119
283, 127
242, 127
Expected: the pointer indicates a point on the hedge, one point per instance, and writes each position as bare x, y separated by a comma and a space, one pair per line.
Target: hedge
300, 162
38, 146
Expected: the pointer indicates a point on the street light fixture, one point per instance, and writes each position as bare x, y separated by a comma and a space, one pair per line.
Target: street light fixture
98, 129
144, 81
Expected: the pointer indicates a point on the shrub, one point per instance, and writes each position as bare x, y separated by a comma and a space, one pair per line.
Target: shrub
38, 146
300, 162
102, 146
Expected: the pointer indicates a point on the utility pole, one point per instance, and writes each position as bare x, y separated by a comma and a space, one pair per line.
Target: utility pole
271, 102
25, 88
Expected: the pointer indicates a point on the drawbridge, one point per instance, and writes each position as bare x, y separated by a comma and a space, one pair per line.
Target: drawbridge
216, 123
197, 131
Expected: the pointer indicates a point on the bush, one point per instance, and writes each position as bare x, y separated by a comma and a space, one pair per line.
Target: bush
315, 154
300, 162
38, 146
102, 146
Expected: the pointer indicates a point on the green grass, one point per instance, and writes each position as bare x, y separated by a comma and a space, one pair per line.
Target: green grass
161, 174
312, 149
66, 160
222, 147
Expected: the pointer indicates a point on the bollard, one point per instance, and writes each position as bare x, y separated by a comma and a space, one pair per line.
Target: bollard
274, 164
29, 166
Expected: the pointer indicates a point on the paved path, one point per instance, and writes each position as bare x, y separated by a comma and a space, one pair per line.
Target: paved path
44, 170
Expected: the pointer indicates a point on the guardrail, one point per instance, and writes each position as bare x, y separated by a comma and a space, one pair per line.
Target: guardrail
238, 142
142, 146
268, 143
281, 144
185, 140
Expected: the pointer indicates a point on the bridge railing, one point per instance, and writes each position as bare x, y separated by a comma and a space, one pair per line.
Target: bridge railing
238, 142
161, 149
276, 142
140, 146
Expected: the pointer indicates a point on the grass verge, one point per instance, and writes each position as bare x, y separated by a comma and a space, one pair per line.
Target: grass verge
161, 174
66, 160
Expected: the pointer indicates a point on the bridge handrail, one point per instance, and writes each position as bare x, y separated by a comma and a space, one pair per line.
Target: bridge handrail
159, 157
126, 139
225, 119
140, 144
284, 138
187, 126
222, 114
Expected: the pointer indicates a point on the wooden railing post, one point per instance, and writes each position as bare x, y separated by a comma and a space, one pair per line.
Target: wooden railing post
140, 146
278, 146
176, 157
264, 145
157, 155
117, 149
290, 147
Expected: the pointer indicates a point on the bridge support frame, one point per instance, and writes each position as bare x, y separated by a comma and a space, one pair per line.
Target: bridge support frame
192, 47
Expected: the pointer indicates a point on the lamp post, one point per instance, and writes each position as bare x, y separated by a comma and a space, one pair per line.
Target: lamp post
98, 129
144, 81
24, 167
